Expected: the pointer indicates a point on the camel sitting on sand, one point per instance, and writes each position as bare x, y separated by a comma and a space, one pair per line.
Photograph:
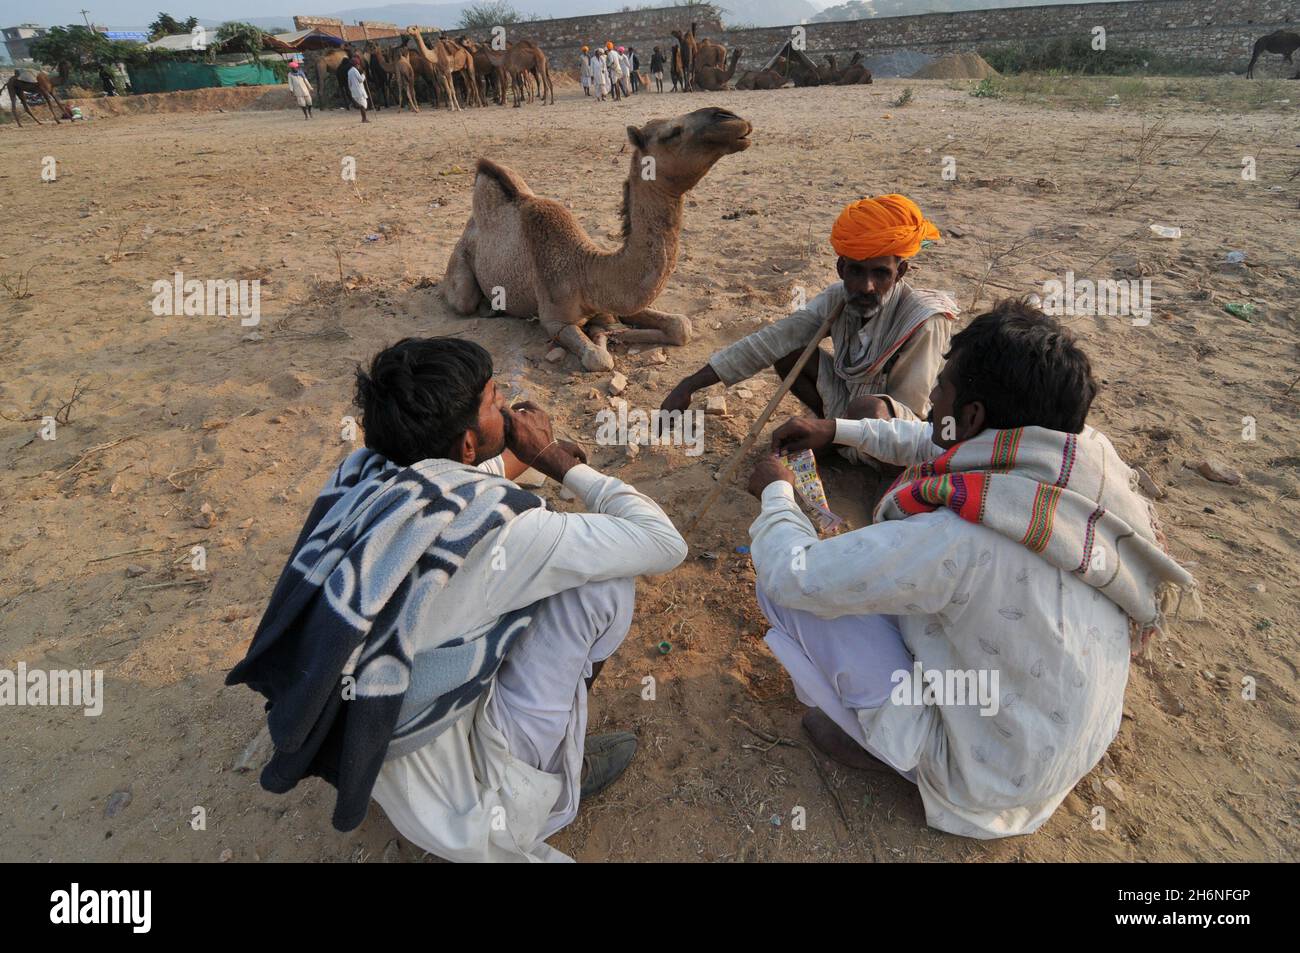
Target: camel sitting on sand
854, 73
1284, 42
712, 79
762, 79
527, 255
19, 89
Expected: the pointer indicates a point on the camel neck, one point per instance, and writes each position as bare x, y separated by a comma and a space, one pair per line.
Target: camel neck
642, 266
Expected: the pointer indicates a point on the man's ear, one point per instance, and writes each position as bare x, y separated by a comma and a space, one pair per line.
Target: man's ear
467, 447
839, 267
636, 137
902, 269
972, 420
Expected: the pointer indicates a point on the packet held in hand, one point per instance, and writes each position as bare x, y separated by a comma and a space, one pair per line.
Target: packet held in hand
809, 484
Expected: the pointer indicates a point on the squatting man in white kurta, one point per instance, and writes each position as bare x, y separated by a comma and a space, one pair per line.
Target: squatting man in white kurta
463, 621
976, 637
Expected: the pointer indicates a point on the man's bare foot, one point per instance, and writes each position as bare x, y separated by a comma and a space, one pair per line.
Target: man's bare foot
831, 740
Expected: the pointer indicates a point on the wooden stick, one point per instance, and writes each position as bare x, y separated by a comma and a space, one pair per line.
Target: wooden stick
722, 475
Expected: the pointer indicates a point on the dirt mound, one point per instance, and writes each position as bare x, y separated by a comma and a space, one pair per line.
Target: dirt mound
224, 99
957, 66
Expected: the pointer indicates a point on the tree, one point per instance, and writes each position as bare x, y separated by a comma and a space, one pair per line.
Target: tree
236, 37
167, 25
484, 16
70, 44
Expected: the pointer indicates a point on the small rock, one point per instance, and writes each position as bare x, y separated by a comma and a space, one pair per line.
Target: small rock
743, 393
631, 450
225, 856
1148, 485
1256, 587
1217, 472
1113, 786
253, 336
716, 404
117, 802
619, 405
133, 570
555, 355
392, 852
206, 517
617, 383
657, 356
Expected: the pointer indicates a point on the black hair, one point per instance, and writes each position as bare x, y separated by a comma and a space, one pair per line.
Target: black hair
1025, 369
420, 396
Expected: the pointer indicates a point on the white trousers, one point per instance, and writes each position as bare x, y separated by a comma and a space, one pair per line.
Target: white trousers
500, 781
841, 666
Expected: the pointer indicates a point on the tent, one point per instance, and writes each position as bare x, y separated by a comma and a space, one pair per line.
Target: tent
791, 55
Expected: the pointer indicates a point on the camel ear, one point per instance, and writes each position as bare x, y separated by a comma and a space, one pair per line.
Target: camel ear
636, 137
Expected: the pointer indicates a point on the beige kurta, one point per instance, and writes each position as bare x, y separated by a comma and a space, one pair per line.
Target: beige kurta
906, 378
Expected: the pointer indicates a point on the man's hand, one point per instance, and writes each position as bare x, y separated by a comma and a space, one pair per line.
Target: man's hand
803, 433
531, 441
679, 398
529, 431
766, 472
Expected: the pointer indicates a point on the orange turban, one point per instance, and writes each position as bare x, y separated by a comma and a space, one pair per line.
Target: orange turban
885, 225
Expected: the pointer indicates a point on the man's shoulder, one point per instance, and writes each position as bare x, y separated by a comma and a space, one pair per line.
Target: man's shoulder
939, 304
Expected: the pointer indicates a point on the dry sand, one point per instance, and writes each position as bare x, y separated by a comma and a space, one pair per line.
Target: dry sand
179, 413
957, 66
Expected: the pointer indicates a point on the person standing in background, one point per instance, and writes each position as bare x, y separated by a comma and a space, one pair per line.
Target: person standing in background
657, 69
300, 87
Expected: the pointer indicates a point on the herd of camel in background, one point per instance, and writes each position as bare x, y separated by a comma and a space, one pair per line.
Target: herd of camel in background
456, 70
464, 69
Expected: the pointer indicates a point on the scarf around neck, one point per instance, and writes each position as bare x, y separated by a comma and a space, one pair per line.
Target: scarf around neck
1067, 497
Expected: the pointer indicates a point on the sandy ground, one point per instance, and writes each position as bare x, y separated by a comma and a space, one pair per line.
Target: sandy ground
178, 413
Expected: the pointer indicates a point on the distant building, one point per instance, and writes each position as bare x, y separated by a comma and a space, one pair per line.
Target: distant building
18, 37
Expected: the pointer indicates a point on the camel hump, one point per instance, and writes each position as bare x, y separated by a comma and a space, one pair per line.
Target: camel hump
511, 185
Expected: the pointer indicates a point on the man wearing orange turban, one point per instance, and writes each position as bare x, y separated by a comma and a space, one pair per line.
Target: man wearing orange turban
888, 338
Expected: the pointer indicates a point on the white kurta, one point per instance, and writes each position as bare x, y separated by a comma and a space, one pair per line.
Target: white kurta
966, 598
468, 796
357, 86
300, 88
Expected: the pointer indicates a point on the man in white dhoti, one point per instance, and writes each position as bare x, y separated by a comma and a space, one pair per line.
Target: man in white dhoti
614, 66
887, 337
584, 70
300, 87
357, 87
976, 637
600, 75
463, 621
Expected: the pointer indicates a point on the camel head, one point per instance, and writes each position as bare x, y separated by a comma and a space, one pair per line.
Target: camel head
685, 148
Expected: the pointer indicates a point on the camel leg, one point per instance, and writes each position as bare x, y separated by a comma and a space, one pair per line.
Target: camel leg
656, 327
560, 324
28, 109
51, 100
459, 285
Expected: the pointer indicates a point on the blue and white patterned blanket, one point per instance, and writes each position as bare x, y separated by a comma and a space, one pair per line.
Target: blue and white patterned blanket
343, 653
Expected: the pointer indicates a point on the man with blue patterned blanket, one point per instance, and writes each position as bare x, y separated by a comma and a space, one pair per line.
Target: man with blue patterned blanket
432, 638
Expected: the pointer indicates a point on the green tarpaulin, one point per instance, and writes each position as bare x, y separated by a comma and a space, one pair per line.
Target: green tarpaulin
169, 77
